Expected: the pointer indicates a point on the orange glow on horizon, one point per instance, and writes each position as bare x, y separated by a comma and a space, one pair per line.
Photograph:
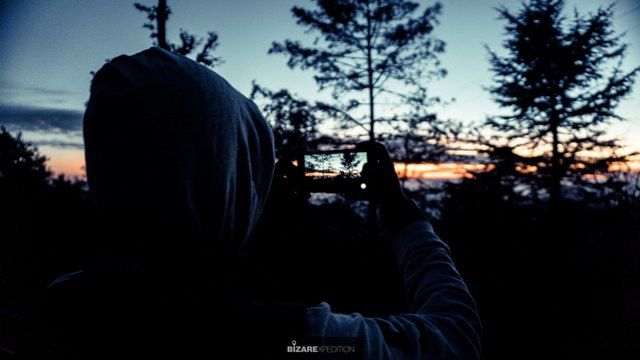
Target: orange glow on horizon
444, 171
67, 161
454, 171
70, 162
633, 165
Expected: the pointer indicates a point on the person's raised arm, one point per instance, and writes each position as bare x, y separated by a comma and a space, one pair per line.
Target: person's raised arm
442, 321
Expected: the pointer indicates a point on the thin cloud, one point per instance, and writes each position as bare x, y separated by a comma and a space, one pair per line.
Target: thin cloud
45, 120
9, 87
71, 144
15, 94
57, 128
45, 91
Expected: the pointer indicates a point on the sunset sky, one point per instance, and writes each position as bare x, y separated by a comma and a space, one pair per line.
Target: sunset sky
49, 48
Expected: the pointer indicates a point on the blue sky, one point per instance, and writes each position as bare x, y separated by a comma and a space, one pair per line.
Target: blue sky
49, 48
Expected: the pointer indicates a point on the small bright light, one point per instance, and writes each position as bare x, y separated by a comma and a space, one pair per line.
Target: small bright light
363, 186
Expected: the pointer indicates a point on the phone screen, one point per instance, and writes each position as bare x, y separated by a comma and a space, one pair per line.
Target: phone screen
335, 171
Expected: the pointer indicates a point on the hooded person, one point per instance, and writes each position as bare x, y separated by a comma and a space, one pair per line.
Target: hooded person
179, 165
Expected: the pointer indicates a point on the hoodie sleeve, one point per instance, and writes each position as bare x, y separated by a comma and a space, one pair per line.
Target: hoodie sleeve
442, 322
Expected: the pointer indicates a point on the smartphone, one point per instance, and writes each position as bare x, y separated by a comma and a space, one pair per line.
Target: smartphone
335, 171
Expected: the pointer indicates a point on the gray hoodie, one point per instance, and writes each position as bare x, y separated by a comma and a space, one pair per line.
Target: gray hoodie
169, 138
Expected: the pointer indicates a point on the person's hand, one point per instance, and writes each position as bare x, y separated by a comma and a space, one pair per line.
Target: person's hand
380, 174
384, 187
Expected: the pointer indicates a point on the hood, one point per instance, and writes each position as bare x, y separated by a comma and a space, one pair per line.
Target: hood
171, 145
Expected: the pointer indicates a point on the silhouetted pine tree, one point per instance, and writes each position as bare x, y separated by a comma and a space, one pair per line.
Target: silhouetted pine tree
378, 48
157, 17
21, 165
561, 79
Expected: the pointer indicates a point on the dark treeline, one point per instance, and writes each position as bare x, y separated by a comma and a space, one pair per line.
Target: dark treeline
547, 236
